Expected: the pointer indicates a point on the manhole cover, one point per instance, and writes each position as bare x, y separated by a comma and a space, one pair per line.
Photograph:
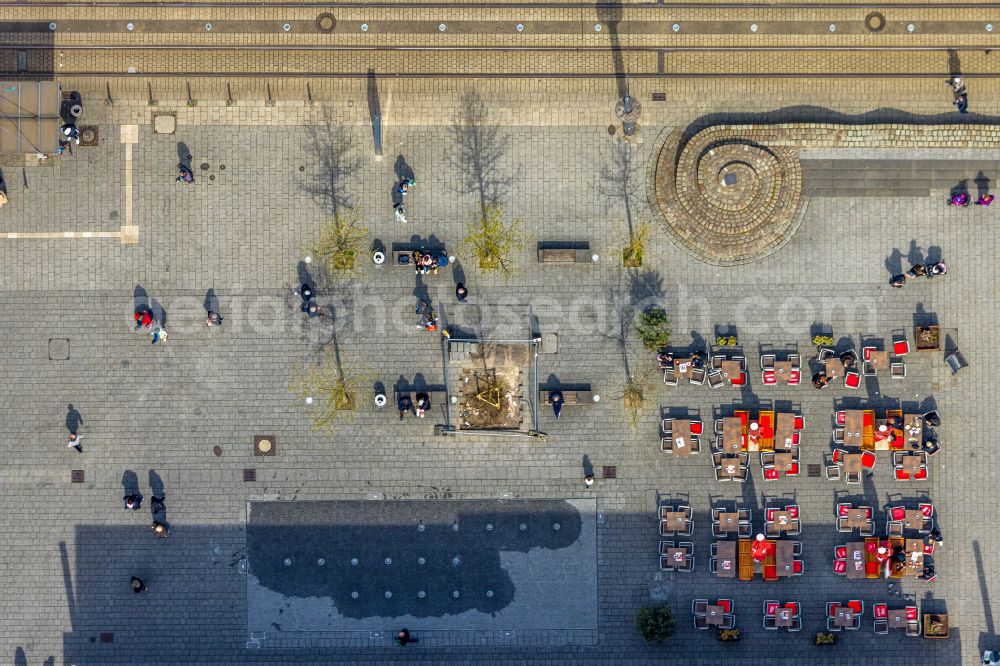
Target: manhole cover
204, 166
76, 476
59, 349
610, 472
217, 451
813, 471
612, 129
249, 474
264, 445
212, 177
90, 135
326, 22
875, 22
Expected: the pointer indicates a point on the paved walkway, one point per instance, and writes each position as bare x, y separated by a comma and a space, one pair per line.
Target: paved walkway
71, 549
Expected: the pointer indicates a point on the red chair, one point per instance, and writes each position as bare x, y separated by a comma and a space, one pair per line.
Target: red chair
838, 455
881, 611
770, 474
900, 347
929, 548
911, 612
856, 606
793, 511
902, 476
921, 475
744, 418
896, 445
831, 608
770, 572
741, 380
696, 427
871, 569
771, 608
843, 509
898, 513
795, 439
868, 420
800, 422
769, 378
797, 567
839, 567
841, 418
793, 470
793, 377
927, 509
868, 460
852, 380
769, 515
793, 606
840, 552
727, 605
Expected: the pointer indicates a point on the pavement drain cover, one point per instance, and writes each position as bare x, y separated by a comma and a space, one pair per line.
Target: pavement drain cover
326, 22
217, 451
90, 135
610, 472
204, 166
249, 474
59, 349
813, 471
107, 637
875, 22
659, 97
612, 129
264, 445
76, 476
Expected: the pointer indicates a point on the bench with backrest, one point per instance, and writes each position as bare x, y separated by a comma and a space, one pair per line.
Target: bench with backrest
437, 397
570, 396
397, 254
571, 253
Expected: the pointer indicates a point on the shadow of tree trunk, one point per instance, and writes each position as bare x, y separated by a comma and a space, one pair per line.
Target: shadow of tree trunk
482, 148
333, 146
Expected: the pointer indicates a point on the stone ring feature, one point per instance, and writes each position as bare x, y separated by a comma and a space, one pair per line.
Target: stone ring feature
875, 22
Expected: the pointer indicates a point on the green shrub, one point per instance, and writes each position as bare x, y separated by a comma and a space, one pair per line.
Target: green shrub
655, 623
654, 328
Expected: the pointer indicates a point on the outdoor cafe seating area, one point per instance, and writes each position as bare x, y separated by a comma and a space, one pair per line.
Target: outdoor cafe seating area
860, 434
775, 436
905, 551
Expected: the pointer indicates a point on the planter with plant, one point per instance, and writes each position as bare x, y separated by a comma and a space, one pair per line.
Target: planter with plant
328, 387
634, 397
655, 623
341, 241
726, 341
822, 341
492, 242
654, 328
928, 338
632, 254
825, 638
729, 635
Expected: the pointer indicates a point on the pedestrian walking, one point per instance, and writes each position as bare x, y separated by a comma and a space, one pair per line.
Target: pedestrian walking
959, 199
984, 200
461, 293
588, 481
400, 212
137, 585
133, 502
403, 637
74, 442
313, 310
404, 186
70, 131
184, 174
917, 270
156, 504
306, 292
158, 332
940, 268
161, 530
898, 280
143, 319
213, 318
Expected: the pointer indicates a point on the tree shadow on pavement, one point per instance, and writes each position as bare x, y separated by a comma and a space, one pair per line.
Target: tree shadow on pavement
333, 146
482, 149
621, 182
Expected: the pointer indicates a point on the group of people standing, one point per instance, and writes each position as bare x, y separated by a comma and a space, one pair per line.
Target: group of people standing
919, 270
963, 199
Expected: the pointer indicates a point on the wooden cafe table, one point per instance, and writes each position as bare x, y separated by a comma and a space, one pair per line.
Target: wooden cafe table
913, 431
731, 370
897, 618
853, 427
911, 464
783, 618
857, 518
783, 461
725, 556
782, 371
834, 367
676, 557
732, 435
672, 522
844, 617
683, 367
782, 521
913, 519
784, 428
714, 615
730, 466
856, 559
852, 463
729, 523
784, 555
680, 433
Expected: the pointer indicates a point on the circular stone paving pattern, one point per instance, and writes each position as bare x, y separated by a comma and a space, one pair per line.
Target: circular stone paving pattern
730, 200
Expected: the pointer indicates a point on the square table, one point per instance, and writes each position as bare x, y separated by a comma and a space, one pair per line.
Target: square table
844, 617
781, 520
783, 461
857, 518
680, 434
729, 522
913, 519
834, 367
725, 557
856, 559
784, 428
879, 360
853, 426
783, 617
677, 557
784, 555
731, 370
852, 463
897, 618
913, 431
674, 521
715, 615
911, 464
782, 371
683, 367
732, 435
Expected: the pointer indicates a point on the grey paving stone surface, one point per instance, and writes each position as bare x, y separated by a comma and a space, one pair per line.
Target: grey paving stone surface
70, 548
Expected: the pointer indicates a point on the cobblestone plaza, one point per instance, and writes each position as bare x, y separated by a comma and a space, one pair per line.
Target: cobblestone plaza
839, 183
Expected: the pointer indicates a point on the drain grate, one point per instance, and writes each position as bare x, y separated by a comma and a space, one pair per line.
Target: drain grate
609, 472
813, 471
249, 474
76, 476
659, 97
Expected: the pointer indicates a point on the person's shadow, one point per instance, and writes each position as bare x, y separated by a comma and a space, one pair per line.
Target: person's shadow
588, 467
130, 483
184, 154
73, 419
982, 184
140, 299
155, 483
894, 262
211, 301
402, 169
158, 312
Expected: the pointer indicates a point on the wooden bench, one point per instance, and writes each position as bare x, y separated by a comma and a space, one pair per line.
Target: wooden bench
572, 253
438, 397
396, 254
570, 397
745, 560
